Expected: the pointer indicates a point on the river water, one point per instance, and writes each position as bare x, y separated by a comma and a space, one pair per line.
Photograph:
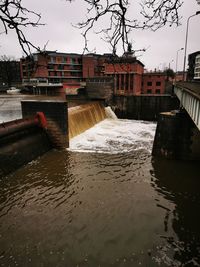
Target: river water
103, 202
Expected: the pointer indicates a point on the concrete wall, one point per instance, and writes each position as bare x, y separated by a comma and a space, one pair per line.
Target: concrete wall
100, 88
22, 146
177, 137
55, 111
143, 107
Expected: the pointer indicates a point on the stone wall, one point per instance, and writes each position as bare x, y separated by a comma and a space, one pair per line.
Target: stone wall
143, 107
100, 88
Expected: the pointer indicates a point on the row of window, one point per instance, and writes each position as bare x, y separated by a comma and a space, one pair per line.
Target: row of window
63, 80
64, 67
150, 83
65, 60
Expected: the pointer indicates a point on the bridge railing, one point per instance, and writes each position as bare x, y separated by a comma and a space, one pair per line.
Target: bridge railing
190, 101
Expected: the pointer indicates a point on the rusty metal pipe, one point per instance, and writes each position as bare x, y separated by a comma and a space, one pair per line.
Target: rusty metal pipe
12, 127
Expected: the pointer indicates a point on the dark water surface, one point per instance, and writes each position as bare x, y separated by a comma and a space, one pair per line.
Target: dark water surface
88, 209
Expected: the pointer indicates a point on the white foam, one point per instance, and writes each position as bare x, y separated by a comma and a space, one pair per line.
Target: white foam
110, 114
115, 136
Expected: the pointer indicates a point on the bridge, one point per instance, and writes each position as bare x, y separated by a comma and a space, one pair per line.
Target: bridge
189, 95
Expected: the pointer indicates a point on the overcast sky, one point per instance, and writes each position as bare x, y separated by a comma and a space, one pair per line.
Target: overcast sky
63, 37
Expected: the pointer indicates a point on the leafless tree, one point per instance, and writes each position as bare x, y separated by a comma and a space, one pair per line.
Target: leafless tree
15, 17
9, 70
154, 15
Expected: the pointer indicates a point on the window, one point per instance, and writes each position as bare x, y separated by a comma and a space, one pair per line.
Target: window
148, 91
60, 67
157, 91
51, 67
73, 60
149, 83
158, 83
53, 59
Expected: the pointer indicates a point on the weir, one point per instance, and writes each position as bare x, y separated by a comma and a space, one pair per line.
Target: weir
83, 117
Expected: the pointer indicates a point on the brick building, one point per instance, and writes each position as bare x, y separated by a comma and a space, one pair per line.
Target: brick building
127, 73
53, 68
154, 83
71, 70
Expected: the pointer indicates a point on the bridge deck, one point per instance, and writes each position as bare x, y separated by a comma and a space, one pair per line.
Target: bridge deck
189, 96
193, 87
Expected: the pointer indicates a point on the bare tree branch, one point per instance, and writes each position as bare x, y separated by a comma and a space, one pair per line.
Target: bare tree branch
119, 22
16, 17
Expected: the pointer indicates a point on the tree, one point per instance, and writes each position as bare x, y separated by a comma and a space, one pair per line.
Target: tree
15, 17
155, 14
169, 73
9, 70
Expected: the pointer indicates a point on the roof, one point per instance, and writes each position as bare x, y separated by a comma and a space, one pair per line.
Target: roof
124, 59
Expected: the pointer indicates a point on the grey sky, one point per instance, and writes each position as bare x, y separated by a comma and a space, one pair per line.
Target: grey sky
58, 16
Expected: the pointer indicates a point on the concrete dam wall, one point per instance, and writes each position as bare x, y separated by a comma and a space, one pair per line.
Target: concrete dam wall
143, 107
20, 142
25, 139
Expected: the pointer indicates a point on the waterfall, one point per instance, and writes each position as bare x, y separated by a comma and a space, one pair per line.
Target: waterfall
83, 117
110, 113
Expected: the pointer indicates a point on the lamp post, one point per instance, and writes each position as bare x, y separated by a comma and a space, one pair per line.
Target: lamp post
186, 39
177, 60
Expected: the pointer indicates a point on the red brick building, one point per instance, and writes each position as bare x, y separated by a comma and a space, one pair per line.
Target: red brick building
154, 83
53, 67
70, 70
127, 73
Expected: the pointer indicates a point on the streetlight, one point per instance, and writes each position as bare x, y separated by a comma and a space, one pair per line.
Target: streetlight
186, 38
177, 58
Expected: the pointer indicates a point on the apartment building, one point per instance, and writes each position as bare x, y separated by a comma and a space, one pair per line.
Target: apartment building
197, 68
193, 66
53, 68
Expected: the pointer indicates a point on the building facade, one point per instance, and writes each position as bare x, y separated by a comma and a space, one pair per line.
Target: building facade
193, 66
154, 83
72, 70
53, 68
127, 73
197, 68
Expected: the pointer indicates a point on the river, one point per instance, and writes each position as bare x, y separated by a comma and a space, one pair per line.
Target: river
103, 202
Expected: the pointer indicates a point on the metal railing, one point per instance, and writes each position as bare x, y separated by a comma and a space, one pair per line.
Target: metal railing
190, 101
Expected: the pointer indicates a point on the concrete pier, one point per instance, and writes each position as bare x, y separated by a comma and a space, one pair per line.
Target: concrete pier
176, 137
56, 114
